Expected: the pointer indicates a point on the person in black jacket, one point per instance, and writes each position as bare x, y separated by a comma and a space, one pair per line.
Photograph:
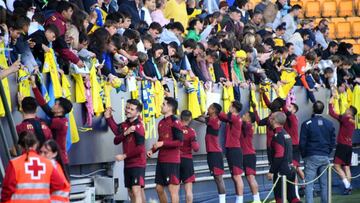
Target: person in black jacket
43, 42
317, 140
281, 158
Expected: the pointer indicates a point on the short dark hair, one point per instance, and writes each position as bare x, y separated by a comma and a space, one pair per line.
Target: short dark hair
237, 105
148, 37
137, 103
83, 37
132, 34
191, 43
29, 105
353, 110
328, 70
177, 26
241, 3
156, 26
318, 107
333, 44
39, 17
53, 28
64, 6
295, 7
289, 44
114, 17
217, 108
252, 117
186, 115
110, 22
172, 102
296, 107
347, 61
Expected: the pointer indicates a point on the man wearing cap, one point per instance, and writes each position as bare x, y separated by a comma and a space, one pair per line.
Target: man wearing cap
59, 123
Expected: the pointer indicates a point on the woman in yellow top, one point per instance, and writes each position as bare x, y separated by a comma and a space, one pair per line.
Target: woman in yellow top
176, 9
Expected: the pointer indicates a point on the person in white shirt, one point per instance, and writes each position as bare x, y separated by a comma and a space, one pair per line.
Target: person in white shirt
290, 20
149, 6
321, 37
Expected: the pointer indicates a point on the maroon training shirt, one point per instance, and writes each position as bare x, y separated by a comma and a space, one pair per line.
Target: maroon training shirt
212, 134
233, 129
189, 142
133, 144
170, 132
347, 127
58, 126
26, 125
247, 138
291, 126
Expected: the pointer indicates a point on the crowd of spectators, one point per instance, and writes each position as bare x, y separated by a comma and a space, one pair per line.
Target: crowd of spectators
155, 39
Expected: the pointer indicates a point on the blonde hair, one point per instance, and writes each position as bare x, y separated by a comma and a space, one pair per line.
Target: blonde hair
73, 32
249, 39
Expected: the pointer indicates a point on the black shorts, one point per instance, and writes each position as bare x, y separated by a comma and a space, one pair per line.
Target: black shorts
249, 161
296, 156
235, 160
167, 173
187, 174
216, 163
343, 154
134, 176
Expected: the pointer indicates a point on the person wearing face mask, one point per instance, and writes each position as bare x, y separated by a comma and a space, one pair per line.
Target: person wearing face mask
51, 151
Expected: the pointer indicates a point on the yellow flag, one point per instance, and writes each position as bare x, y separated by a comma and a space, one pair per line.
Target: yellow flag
50, 63
79, 88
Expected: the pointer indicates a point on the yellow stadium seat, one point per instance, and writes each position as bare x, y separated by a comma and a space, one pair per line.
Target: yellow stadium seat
355, 29
351, 41
337, 20
312, 9
329, 9
331, 26
353, 19
356, 48
343, 30
346, 8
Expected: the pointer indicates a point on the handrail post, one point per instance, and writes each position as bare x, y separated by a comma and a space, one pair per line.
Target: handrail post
329, 184
284, 188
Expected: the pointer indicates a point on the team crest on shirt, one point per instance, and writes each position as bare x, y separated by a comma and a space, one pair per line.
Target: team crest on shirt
167, 179
135, 180
185, 131
166, 135
35, 168
29, 127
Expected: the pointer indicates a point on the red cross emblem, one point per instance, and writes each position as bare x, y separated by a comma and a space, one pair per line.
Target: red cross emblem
35, 168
